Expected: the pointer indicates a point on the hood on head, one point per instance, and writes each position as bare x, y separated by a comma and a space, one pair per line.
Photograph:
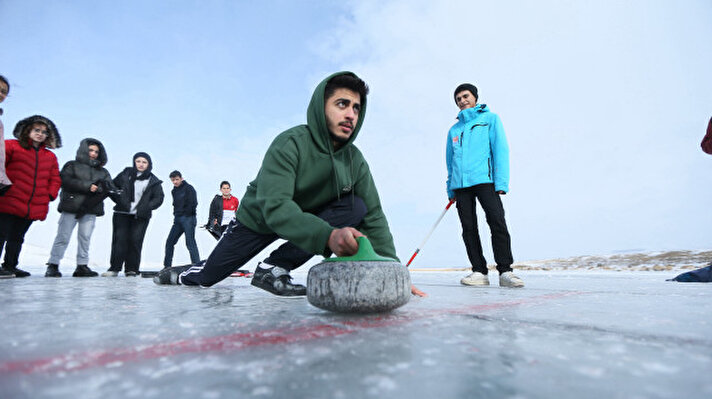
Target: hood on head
83, 152
22, 132
148, 158
316, 118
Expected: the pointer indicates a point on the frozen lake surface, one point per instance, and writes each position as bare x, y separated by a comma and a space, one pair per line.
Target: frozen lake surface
567, 334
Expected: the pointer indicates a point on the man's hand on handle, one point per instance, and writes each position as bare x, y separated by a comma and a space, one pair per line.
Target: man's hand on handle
342, 242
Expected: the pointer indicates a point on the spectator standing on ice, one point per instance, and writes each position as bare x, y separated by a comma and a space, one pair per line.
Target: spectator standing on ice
222, 209
34, 173
477, 158
707, 140
85, 183
140, 194
314, 189
4, 181
185, 203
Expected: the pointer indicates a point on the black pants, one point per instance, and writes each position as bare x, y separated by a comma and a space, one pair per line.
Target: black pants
494, 212
126, 242
12, 235
239, 244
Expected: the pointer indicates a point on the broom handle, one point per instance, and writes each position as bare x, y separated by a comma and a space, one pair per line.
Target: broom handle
431, 232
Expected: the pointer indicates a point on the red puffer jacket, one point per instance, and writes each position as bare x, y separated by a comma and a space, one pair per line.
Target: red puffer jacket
34, 173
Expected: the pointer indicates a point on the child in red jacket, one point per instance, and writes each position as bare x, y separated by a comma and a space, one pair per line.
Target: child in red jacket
34, 173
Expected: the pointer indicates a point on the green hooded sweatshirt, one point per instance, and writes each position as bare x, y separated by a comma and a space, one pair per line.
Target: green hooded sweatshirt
301, 173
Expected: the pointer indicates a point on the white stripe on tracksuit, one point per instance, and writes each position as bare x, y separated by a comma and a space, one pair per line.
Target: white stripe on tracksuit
194, 269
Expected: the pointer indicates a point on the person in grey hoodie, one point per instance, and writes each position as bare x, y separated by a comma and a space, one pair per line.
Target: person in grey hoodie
85, 184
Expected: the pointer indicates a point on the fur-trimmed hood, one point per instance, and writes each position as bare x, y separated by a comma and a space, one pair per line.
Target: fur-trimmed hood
83, 153
22, 132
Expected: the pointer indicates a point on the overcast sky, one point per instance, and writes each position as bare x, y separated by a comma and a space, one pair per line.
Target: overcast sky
604, 105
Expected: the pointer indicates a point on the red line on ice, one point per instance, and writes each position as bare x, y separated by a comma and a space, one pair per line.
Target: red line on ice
234, 342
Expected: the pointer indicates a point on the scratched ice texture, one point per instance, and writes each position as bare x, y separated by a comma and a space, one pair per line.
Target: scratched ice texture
582, 334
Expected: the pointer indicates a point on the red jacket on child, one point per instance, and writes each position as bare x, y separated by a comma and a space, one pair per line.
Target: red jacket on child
34, 173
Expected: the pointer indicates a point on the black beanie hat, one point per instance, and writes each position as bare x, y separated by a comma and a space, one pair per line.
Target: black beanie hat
466, 86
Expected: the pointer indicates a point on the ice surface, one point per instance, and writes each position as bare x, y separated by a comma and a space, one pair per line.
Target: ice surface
567, 334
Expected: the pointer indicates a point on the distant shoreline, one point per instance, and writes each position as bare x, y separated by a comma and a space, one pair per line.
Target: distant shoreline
644, 262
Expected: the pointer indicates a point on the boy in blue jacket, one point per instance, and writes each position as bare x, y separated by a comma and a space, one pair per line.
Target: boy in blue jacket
477, 158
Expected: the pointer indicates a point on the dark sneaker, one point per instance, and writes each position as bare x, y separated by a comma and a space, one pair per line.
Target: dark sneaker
84, 271
17, 272
130, 274
170, 275
6, 274
52, 270
282, 285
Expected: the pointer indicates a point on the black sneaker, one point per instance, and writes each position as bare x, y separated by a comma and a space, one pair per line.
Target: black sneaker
6, 274
52, 270
17, 272
84, 271
130, 274
282, 285
170, 275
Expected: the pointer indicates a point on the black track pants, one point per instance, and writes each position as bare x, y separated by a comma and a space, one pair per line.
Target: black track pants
494, 213
239, 244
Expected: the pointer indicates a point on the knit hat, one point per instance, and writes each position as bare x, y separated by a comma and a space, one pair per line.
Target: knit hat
466, 86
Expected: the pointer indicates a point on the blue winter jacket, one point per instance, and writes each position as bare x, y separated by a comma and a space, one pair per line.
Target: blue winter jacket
477, 151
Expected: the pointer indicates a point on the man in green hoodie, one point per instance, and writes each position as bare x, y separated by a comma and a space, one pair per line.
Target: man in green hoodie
314, 189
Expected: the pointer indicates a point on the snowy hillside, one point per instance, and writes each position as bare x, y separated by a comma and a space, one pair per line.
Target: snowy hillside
652, 261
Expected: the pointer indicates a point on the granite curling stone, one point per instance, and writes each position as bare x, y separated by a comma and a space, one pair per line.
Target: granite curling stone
363, 283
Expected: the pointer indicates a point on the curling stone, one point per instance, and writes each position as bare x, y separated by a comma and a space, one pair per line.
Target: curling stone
362, 283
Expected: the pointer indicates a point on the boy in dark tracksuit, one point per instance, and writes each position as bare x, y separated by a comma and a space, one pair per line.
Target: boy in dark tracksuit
314, 190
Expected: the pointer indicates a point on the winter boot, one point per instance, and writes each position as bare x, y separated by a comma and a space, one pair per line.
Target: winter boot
84, 271
52, 270
277, 281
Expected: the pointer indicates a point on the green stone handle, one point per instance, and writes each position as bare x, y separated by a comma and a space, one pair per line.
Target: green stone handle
365, 254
